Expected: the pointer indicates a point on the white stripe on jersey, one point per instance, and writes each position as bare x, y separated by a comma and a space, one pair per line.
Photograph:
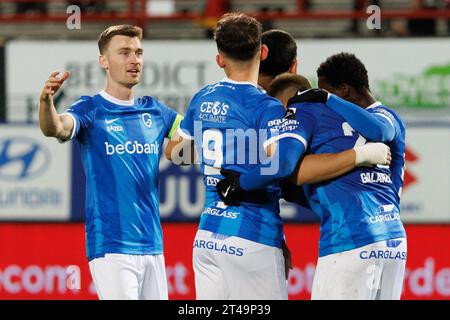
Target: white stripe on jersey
285, 135
374, 105
386, 117
74, 129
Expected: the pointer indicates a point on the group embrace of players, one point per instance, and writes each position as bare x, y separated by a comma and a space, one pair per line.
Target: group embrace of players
259, 134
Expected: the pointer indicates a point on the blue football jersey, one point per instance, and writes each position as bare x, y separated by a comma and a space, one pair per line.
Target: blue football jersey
121, 143
230, 123
362, 206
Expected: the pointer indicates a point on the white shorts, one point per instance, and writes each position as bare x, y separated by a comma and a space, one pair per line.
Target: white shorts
129, 277
233, 268
372, 272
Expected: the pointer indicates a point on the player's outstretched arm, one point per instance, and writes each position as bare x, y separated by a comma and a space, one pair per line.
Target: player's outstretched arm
52, 124
279, 167
373, 126
315, 168
282, 164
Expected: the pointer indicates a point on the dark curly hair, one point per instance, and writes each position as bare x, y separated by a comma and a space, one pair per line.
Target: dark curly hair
344, 68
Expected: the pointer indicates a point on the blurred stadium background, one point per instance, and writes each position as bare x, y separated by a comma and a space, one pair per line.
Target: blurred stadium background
42, 253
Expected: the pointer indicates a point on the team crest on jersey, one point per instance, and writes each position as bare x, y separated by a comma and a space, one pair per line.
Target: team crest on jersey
147, 118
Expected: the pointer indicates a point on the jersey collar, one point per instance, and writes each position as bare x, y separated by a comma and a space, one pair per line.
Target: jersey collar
110, 98
375, 104
226, 79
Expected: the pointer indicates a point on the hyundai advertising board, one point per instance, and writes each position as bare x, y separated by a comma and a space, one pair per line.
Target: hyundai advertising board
35, 175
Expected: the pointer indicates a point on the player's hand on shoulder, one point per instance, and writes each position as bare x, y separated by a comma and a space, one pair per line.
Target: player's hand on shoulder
373, 154
310, 95
53, 84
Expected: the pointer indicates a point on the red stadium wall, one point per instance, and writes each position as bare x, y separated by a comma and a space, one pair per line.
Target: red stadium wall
47, 261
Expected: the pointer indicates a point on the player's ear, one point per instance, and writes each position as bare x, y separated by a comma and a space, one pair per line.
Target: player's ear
220, 61
264, 52
293, 67
103, 62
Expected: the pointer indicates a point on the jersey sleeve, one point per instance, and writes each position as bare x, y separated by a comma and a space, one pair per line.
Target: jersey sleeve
290, 126
82, 114
389, 122
300, 122
291, 136
171, 118
269, 122
376, 124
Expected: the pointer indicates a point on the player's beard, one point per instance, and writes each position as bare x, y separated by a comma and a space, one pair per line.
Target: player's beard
124, 78
133, 78
130, 81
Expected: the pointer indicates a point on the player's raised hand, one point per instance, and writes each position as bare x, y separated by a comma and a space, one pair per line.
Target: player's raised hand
53, 84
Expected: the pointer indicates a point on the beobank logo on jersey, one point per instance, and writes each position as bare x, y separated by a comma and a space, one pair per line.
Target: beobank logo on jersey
132, 147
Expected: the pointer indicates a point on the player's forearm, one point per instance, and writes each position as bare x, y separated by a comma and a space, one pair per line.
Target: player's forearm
49, 120
281, 165
367, 124
321, 167
316, 168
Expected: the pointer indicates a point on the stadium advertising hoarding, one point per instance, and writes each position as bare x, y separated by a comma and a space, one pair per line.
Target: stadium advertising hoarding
173, 71
47, 261
34, 175
41, 179
424, 195
411, 75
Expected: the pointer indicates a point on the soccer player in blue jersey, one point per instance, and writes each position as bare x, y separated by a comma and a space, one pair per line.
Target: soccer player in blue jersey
237, 251
362, 250
345, 76
121, 139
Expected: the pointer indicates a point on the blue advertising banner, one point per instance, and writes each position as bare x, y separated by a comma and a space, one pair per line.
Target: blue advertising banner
41, 179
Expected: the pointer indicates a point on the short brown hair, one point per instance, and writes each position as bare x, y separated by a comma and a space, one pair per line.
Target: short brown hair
286, 81
282, 52
238, 36
119, 30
